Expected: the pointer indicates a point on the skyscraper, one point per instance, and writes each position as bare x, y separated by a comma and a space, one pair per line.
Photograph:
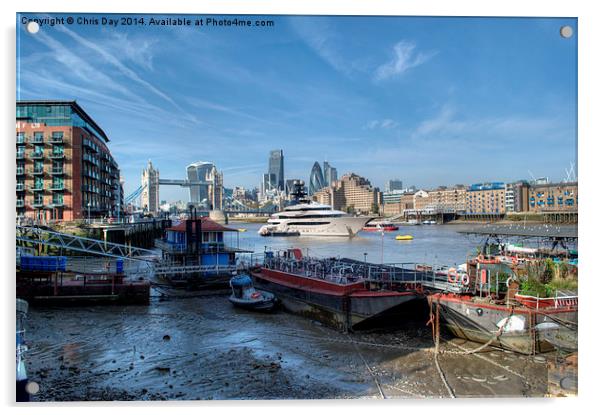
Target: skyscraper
276, 167
316, 179
394, 184
330, 174
209, 193
195, 172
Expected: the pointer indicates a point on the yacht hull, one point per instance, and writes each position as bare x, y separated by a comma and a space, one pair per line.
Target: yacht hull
342, 226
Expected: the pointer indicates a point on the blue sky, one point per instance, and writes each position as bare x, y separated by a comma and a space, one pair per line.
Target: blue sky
432, 101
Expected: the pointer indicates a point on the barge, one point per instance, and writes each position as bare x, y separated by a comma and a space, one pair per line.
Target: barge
46, 280
491, 310
58, 287
341, 293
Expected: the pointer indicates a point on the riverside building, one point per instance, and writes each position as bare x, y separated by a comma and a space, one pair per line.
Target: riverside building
486, 198
65, 170
553, 197
351, 193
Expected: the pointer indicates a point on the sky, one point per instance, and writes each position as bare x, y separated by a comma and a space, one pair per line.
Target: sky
429, 100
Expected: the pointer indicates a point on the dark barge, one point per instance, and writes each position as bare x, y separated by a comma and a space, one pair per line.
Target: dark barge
340, 293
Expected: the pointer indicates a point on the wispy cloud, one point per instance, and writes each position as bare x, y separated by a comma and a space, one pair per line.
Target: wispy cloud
112, 60
80, 68
140, 50
323, 39
386, 124
449, 127
405, 57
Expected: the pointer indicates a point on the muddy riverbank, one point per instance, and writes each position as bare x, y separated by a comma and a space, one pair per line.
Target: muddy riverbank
198, 347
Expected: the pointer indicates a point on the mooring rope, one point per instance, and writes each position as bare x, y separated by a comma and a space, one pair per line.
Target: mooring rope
495, 336
374, 377
436, 356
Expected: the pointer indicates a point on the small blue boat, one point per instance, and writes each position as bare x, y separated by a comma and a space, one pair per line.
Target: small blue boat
245, 295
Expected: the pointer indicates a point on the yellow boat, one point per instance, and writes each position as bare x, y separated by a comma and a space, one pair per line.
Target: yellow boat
404, 237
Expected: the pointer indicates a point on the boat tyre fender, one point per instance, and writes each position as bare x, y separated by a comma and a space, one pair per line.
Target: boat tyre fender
465, 280
452, 276
508, 281
256, 294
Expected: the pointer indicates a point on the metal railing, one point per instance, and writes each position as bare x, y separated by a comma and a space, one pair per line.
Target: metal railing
346, 271
35, 235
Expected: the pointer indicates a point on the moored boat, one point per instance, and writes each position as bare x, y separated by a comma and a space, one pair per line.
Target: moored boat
492, 310
307, 218
340, 293
510, 326
404, 237
244, 295
380, 226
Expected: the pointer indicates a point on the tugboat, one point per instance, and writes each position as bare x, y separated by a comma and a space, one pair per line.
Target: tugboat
244, 295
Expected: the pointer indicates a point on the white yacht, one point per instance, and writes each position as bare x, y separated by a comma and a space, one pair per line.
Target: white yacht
313, 219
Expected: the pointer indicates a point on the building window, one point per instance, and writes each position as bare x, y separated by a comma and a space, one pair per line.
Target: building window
38, 137
38, 199
57, 199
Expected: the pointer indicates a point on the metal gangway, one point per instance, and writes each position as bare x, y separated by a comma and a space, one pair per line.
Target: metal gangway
36, 235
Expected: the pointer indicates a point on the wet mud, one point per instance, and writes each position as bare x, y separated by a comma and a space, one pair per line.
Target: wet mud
199, 347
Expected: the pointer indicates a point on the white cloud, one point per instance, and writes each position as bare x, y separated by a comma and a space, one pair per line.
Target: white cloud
385, 124
404, 58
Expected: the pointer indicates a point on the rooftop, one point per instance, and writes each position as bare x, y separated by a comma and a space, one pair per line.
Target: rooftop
73, 104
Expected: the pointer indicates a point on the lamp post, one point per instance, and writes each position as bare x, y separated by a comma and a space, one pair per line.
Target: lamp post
365, 265
89, 213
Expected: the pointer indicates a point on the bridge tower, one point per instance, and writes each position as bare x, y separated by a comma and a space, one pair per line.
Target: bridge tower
150, 194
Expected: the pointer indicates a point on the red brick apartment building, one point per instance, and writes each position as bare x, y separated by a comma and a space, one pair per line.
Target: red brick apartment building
65, 170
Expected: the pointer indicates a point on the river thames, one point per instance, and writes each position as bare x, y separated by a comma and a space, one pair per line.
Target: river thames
190, 345
432, 244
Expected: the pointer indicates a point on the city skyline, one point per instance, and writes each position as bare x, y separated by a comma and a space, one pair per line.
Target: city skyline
434, 101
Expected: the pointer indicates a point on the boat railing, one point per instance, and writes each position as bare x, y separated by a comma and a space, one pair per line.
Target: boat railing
345, 271
558, 301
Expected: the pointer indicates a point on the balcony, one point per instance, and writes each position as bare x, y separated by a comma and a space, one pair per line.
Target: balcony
57, 155
91, 174
57, 186
90, 159
37, 188
38, 203
20, 203
20, 154
36, 155
20, 171
36, 171
38, 139
57, 171
20, 187
21, 139
57, 203
89, 144
55, 139
89, 188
